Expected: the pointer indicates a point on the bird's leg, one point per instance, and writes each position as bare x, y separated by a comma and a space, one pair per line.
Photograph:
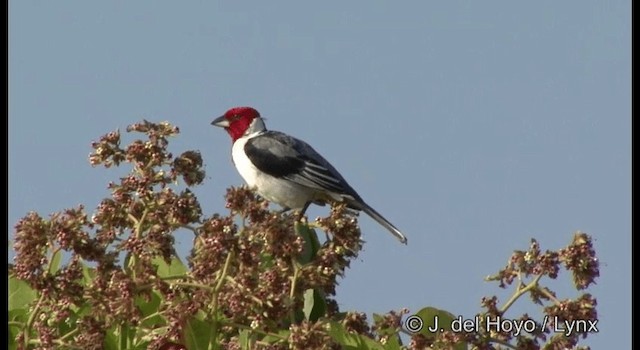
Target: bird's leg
284, 210
304, 208
300, 214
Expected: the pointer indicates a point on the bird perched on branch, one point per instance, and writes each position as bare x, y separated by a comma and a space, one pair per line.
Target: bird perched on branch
288, 171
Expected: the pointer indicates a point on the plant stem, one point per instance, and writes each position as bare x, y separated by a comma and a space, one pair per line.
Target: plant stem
292, 291
214, 301
60, 344
196, 285
123, 337
548, 294
70, 334
521, 291
190, 228
244, 289
139, 222
53, 255
138, 234
223, 276
32, 319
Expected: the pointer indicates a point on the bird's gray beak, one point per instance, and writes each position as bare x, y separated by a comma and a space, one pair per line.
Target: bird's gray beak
221, 122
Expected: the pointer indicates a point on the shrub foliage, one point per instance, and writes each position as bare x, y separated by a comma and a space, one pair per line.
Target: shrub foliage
254, 279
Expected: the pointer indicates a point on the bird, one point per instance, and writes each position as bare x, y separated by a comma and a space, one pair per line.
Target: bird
288, 171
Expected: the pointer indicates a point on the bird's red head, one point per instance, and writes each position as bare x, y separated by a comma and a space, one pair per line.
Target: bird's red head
237, 120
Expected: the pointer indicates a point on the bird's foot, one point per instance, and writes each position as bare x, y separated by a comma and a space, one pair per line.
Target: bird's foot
283, 210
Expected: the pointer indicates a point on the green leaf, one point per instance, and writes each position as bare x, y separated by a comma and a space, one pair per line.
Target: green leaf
16, 315
197, 334
13, 333
315, 305
393, 343
68, 324
175, 269
20, 294
124, 335
110, 340
88, 274
266, 260
387, 331
150, 307
244, 339
54, 264
433, 319
342, 337
311, 242
352, 341
128, 261
282, 334
83, 310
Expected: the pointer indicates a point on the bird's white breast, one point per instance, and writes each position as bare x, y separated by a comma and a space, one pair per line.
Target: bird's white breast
281, 191
246, 169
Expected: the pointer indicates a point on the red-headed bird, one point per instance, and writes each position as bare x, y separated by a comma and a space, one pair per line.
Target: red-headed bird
288, 171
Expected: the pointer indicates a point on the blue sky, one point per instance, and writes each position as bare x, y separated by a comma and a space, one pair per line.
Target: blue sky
472, 126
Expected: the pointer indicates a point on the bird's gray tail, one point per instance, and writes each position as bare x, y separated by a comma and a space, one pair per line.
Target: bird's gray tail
384, 222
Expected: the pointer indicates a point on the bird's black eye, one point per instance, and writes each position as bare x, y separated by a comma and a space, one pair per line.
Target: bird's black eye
235, 117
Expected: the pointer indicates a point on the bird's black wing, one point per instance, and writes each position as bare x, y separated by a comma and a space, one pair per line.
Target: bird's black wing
283, 156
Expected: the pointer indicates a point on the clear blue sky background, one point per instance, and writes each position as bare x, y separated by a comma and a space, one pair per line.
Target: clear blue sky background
472, 125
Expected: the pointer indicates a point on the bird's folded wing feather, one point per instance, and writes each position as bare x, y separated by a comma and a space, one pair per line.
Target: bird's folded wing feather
283, 156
